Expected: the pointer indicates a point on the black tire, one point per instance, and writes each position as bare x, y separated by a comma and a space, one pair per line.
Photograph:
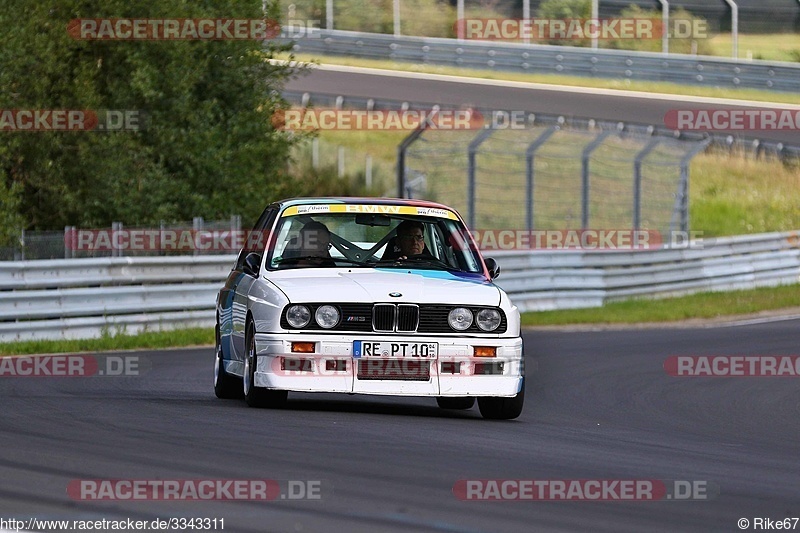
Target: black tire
258, 396
499, 408
226, 386
455, 403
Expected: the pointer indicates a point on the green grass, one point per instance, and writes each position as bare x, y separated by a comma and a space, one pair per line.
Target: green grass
770, 47
558, 79
148, 340
703, 306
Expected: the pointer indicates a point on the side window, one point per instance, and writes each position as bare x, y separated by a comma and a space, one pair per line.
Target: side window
256, 239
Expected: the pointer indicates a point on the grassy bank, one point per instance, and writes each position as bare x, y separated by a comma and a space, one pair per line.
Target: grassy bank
769, 47
149, 340
698, 306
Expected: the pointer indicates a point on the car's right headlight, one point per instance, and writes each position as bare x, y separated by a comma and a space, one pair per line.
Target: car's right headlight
327, 316
460, 318
298, 316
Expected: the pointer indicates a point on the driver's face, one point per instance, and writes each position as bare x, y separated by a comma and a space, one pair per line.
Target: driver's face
412, 243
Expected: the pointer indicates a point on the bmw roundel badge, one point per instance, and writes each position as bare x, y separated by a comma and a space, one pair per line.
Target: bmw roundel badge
395, 294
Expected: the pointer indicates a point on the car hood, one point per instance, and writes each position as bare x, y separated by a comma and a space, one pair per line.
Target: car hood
374, 285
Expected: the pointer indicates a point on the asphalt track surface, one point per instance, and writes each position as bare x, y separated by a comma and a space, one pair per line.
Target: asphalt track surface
599, 406
585, 104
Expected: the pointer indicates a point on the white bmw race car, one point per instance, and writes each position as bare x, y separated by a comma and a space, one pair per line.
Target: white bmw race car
367, 296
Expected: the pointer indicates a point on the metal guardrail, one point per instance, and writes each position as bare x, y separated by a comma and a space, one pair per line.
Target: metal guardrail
82, 298
546, 59
539, 281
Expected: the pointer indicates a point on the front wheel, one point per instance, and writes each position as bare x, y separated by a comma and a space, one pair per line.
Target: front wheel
455, 403
499, 408
258, 396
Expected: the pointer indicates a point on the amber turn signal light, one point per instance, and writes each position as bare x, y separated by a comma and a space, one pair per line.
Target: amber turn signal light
485, 351
303, 347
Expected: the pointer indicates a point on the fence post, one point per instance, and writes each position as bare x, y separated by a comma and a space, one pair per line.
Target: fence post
526, 15
368, 172
329, 14
681, 208
664, 26
22, 244
587, 152
637, 181
161, 227
529, 172
401, 157
197, 226
471, 151
396, 17
734, 28
116, 227
69, 252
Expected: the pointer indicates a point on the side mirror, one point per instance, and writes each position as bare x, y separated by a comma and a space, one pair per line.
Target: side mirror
494, 268
252, 263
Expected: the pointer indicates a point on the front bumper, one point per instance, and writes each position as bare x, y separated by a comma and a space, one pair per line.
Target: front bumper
332, 366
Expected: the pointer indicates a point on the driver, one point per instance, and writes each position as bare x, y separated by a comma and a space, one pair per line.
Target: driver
315, 243
410, 238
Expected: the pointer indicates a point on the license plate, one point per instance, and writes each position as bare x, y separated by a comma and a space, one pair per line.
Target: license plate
397, 369
395, 349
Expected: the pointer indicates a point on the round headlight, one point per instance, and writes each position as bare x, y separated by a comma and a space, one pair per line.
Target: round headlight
460, 318
327, 316
298, 316
488, 319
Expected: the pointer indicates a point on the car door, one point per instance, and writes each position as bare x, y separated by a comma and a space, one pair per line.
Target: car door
241, 282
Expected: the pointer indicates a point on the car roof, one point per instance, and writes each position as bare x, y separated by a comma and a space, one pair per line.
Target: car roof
359, 200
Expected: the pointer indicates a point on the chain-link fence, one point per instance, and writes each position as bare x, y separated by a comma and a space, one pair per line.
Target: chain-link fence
556, 175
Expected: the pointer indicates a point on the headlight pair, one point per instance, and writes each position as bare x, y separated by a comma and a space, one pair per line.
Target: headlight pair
326, 316
461, 318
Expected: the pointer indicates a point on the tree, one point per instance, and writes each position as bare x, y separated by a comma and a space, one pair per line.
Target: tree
207, 148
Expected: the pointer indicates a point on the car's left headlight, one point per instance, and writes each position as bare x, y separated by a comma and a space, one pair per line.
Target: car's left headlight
489, 319
327, 316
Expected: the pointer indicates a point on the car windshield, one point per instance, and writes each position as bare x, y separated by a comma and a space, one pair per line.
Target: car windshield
400, 237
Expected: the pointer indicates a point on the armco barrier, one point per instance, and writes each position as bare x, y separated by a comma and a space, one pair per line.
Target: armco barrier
82, 298
572, 60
